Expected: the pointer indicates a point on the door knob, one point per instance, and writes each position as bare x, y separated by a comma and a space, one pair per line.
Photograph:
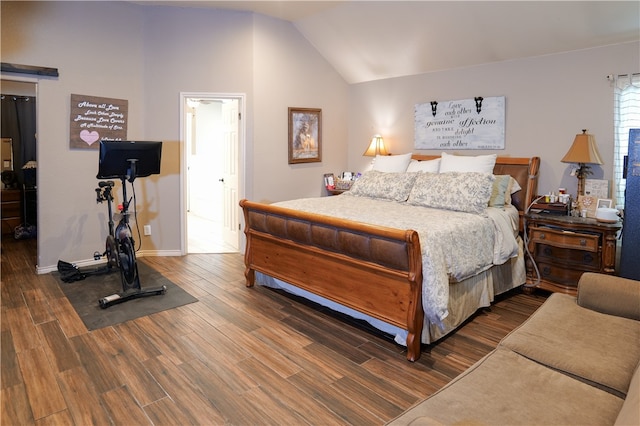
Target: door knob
221, 180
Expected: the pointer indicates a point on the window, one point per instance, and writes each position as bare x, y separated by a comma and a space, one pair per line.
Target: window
626, 116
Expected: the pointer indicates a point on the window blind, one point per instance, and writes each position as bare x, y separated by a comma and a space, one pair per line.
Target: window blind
626, 116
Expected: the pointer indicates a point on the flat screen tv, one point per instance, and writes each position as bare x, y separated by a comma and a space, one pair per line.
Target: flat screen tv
116, 157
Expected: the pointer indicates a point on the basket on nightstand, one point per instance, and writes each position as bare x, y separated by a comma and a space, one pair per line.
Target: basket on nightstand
343, 184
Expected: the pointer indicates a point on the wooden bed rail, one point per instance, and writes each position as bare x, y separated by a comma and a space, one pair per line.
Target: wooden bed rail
371, 269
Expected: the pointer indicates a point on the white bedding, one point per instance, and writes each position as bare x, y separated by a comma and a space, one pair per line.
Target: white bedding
455, 245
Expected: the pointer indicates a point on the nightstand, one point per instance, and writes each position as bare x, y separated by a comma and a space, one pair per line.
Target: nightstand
564, 247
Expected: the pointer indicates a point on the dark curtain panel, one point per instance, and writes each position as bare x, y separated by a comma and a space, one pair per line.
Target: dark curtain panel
19, 124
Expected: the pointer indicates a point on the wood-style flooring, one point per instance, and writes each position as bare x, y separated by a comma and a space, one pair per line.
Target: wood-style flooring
241, 356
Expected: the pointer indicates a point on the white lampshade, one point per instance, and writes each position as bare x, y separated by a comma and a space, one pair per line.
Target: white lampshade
376, 147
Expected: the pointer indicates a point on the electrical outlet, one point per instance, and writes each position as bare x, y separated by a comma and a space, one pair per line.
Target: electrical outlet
147, 230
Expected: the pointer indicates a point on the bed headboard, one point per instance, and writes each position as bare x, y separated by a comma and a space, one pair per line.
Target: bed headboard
523, 169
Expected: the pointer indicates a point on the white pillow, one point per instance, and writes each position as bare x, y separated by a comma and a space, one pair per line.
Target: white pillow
463, 163
430, 166
391, 163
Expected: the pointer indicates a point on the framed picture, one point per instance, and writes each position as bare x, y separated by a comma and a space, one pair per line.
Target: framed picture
305, 135
587, 205
329, 182
604, 203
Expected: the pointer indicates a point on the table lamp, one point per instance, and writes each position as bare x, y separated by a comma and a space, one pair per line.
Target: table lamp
584, 151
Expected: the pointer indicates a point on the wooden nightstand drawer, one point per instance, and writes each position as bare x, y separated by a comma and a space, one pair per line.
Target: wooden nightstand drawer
560, 274
565, 239
585, 259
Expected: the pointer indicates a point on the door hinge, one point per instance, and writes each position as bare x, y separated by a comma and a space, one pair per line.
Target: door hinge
239, 116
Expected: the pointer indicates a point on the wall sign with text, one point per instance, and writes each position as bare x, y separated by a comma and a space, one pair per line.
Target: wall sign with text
475, 123
94, 119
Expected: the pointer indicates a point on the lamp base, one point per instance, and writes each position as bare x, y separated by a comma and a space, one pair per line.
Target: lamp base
581, 174
581, 186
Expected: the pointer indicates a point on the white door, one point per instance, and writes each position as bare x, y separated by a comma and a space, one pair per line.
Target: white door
211, 172
230, 221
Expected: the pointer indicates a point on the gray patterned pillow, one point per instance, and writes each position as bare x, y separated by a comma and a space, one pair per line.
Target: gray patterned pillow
386, 186
463, 192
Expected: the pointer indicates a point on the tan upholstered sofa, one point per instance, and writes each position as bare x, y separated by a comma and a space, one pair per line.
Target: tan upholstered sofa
574, 361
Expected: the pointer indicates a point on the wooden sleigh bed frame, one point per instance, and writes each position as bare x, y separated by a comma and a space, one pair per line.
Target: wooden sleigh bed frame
371, 269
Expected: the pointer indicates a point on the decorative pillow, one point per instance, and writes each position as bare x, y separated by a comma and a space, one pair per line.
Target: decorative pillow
512, 188
431, 166
391, 163
464, 192
499, 192
381, 185
463, 163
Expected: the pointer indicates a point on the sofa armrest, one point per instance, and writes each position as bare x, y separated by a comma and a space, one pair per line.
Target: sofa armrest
609, 294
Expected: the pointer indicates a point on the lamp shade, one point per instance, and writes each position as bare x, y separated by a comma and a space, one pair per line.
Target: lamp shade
583, 151
376, 147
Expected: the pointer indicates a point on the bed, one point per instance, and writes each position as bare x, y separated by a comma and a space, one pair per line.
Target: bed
375, 268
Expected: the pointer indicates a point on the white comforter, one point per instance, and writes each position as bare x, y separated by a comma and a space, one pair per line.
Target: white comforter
454, 245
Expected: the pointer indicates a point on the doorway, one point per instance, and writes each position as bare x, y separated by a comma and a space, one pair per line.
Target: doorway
19, 158
212, 134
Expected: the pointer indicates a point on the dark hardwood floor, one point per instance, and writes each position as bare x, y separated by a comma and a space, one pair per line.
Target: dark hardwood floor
238, 356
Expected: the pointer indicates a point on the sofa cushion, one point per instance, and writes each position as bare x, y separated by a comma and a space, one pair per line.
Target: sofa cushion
609, 294
505, 388
599, 348
630, 411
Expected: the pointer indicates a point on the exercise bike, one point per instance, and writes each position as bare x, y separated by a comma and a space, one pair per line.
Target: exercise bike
126, 161
120, 246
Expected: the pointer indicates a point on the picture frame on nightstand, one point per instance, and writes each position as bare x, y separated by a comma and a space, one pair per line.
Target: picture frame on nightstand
588, 204
329, 181
604, 203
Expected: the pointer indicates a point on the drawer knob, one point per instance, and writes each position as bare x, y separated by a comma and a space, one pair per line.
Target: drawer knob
588, 258
542, 236
583, 242
546, 271
548, 251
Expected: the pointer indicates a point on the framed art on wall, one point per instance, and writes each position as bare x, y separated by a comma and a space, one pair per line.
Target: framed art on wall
473, 123
305, 135
95, 118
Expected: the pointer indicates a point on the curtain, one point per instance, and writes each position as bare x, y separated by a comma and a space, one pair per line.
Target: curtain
19, 124
626, 115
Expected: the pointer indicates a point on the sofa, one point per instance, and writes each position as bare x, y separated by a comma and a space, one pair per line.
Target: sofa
574, 361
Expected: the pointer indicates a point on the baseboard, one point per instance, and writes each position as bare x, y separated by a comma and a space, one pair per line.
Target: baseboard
88, 263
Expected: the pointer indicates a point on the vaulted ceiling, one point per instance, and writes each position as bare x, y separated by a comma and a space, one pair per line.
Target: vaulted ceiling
371, 40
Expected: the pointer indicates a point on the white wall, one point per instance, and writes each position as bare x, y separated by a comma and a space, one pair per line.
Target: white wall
186, 50
549, 99
289, 72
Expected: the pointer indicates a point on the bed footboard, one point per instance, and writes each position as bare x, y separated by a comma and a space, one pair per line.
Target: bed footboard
371, 269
